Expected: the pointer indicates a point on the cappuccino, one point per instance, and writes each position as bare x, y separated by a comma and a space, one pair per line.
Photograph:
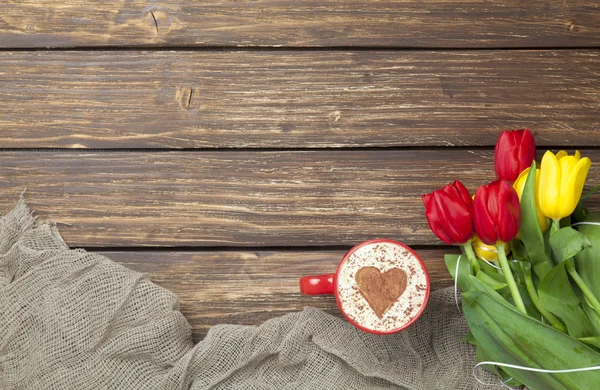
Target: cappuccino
382, 286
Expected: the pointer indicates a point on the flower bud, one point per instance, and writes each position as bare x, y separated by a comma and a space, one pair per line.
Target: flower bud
497, 213
515, 151
448, 213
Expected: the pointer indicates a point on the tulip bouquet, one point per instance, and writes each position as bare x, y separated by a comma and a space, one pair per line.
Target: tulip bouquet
529, 271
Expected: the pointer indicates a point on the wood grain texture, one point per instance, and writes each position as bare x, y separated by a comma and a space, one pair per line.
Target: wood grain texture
247, 288
242, 198
135, 99
400, 23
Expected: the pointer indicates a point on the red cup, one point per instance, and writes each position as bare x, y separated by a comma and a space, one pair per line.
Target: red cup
328, 284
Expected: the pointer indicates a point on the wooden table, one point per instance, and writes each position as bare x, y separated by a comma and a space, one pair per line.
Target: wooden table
227, 148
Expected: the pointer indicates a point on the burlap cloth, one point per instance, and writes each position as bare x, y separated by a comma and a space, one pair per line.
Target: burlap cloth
70, 319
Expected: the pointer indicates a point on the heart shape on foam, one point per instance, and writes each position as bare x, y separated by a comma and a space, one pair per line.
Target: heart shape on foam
381, 289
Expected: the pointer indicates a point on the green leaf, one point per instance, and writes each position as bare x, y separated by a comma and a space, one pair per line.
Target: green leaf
519, 276
478, 285
592, 314
490, 281
482, 356
588, 260
517, 271
518, 250
531, 232
491, 272
464, 270
489, 269
593, 341
506, 335
529, 306
509, 380
503, 295
557, 296
590, 192
566, 243
468, 338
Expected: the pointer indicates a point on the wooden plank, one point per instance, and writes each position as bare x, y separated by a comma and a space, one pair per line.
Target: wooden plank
308, 198
296, 99
247, 288
398, 23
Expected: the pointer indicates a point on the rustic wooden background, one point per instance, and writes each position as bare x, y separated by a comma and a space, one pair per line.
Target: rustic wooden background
228, 148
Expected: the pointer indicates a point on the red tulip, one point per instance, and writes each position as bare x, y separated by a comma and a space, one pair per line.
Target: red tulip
448, 213
497, 214
515, 151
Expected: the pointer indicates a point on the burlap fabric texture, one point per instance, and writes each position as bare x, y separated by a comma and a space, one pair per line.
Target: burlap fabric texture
71, 319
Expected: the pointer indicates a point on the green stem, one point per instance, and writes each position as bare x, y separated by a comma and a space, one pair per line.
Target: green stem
468, 248
554, 226
538, 305
589, 295
512, 286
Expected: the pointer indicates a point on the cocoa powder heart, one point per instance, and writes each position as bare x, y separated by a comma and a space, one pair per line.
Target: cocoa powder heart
381, 289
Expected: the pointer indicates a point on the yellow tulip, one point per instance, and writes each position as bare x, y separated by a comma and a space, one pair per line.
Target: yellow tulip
520, 185
561, 183
487, 252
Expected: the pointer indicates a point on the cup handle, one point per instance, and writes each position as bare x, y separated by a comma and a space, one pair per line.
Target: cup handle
317, 284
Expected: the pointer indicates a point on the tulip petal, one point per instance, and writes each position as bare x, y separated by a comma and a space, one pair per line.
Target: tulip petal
460, 224
561, 154
520, 182
427, 200
493, 205
449, 212
549, 184
466, 197
566, 166
515, 150
505, 155
581, 170
453, 192
509, 218
448, 215
571, 192
439, 197
435, 221
484, 224
526, 153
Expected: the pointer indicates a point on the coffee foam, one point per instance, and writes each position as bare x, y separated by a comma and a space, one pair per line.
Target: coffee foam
383, 256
